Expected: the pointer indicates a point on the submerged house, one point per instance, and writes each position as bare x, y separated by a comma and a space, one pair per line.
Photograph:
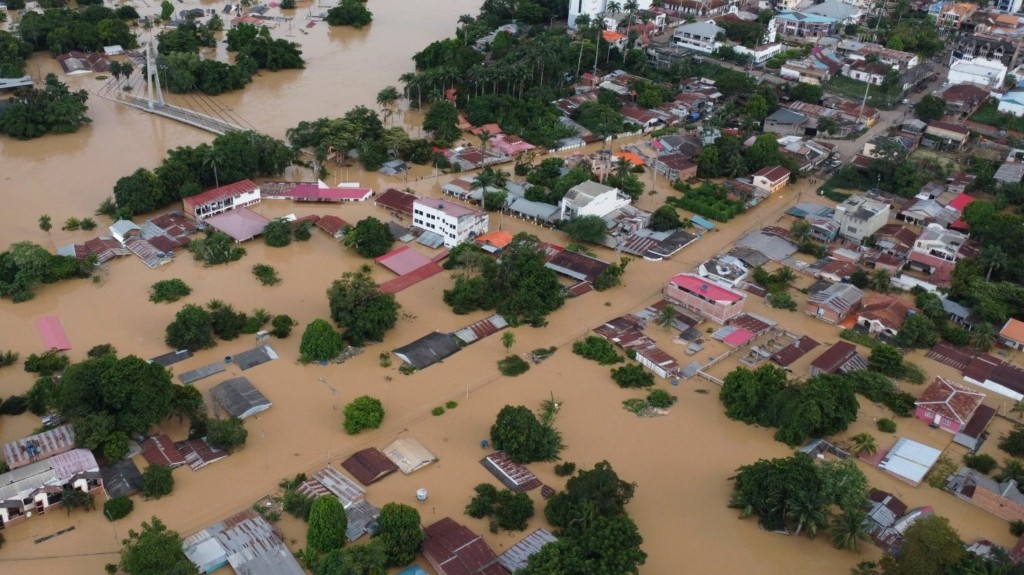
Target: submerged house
245, 541
240, 398
38, 487
219, 200
947, 405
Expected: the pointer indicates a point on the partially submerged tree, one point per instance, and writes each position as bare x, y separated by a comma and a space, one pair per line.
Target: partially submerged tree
320, 342
364, 412
399, 533
519, 433
361, 308
155, 550
327, 524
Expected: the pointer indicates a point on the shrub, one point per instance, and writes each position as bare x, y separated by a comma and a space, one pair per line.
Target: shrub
88, 224
1012, 443
565, 469
887, 425
101, 350
118, 507
157, 481
913, 373
168, 291
660, 398
266, 274
597, 349
364, 412
980, 462
385, 359
451, 404
633, 375
781, 300
513, 365
47, 363
15, 405
437, 411
226, 434
320, 342
1017, 528
281, 326
8, 358
296, 504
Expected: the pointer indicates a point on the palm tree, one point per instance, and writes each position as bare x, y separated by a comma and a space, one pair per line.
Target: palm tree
45, 223
992, 257
583, 21
484, 180
849, 529
485, 137
613, 7
630, 6
213, 158
808, 514
407, 79
801, 231
1013, 468
622, 167
465, 20
881, 282
386, 98
785, 276
864, 443
508, 339
736, 166
738, 501
1018, 408
667, 317
984, 337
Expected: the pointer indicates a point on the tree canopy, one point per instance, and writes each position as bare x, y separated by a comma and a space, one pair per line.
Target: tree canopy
525, 439
586, 229
370, 238
364, 412
26, 265
349, 13
399, 533
327, 524
35, 112
364, 311
191, 329
155, 550
320, 342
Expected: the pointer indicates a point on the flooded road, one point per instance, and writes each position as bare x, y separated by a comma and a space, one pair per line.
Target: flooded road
680, 462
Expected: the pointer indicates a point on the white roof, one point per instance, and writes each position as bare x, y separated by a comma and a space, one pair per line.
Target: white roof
910, 459
409, 454
706, 29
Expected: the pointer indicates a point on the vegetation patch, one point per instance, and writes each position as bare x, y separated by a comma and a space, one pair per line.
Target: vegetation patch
632, 376
707, 199
364, 412
266, 274
513, 365
505, 509
886, 425
168, 291
597, 349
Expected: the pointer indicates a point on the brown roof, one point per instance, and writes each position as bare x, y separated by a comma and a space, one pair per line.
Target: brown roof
965, 93
794, 351
835, 356
1013, 330
950, 400
331, 224
898, 233
579, 264
396, 200
976, 426
452, 549
369, 465
160, 450
839, 268
939, 124
773, 173
898, 508
889, 310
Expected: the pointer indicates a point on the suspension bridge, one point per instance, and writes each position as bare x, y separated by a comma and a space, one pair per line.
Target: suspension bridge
204, 112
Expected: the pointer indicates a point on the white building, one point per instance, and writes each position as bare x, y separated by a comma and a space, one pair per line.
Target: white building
1008, 6
593, 8
1012, 102
978, 71
940, 242
37, 486
699, 36
759, 54
455, 223
591, 199
860, 216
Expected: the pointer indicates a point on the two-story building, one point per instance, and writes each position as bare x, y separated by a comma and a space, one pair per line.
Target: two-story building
860, 216
591, 199
771, 178
699, 36
677, 166
699, 295
953, 16
38, 487
936, 250
978, 71
454, 222
219, 200
804, 25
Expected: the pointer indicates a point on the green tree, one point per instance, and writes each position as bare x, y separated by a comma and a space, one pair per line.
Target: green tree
45, 223
349, 13
586, 229
76, 499
518, 433
191, 329
361, 308
746, 394
320, 342
632, 376
168, 291
278, 233
881, 281
917, 331
226, 434
155, 550
166, 10
665, 218
849, 529
589, 495
886, 359
118, 507
364, 412
767, 488
139, 192
930, 545
442, 121
930, 108
34, 112
370, 238
368, 559
807, 93
327, 524
399, 533
157, 481
282, 326
508, 339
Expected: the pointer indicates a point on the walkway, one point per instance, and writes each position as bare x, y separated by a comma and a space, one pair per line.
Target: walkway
182, 115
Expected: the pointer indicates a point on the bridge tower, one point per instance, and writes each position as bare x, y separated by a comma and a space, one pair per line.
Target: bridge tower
151, 74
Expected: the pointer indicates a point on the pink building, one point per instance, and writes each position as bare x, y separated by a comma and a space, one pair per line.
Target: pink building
701, 296
510, 145
947, 405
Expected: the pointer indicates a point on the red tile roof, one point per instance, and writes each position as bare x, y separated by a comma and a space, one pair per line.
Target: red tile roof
698, 286
794, 351
396, 200
160, 450
890, 311
950, 400
331, 224
228, 191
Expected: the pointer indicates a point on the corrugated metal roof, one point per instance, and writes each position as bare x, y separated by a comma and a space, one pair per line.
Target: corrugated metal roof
240, 398
481, 329
515, 557
409, 454
39, 446
910, 460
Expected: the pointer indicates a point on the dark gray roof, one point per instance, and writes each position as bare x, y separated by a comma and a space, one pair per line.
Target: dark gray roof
240, 398
786, 116
171, 358
121, 479
199, 373
254, 357
428, 350
516, 556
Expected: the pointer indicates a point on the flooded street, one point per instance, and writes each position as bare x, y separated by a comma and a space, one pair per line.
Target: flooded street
680, 462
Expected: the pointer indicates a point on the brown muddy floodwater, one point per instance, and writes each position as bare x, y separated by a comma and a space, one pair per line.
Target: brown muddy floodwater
681, 462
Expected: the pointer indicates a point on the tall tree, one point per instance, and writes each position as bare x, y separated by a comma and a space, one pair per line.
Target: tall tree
327, 524
155, 550
361, 308
399, 532
930, 545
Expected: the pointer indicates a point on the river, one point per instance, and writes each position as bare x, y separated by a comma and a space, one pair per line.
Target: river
680, 462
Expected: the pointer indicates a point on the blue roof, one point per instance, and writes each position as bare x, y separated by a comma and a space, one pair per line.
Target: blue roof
412, 570
702, 223
805, 17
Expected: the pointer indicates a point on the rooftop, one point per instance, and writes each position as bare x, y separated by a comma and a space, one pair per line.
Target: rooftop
449, 208
697, 285
951, 401
223, 192
455, 550
369, 465
772, 173
39, 446
1013, 330
240, 398
910, 460
889, 310
241, 224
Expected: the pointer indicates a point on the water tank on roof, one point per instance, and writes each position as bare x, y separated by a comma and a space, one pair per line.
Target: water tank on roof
421, 494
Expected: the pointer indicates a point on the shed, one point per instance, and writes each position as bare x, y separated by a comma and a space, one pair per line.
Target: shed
842, 357
121, 479
428, 350
515, 557
909, 460
409, 454
452, 549
240, 398
369, 465
514, 476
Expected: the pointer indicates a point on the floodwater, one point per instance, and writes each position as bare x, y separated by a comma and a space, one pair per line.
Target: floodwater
680, 462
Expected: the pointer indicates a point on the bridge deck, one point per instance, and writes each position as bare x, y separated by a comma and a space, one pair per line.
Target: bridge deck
183, 115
